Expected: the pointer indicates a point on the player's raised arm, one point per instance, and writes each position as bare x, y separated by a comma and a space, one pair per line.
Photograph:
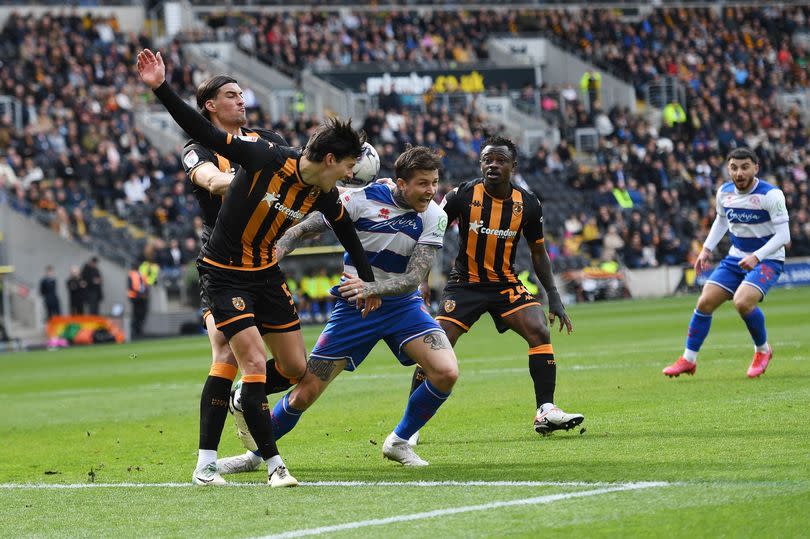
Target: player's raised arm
417, 271
153, 72
329, 204
310, 227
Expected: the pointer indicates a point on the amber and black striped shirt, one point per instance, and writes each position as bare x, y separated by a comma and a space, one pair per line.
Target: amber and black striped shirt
489, 231
195, 155
265, 198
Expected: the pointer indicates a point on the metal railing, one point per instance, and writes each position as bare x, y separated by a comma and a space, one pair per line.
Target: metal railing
669, 89
12, 108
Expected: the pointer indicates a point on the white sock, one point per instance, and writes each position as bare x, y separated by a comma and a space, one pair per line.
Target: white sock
546, 407
763, 348
273, 463
254, 458
690, 355
206, 457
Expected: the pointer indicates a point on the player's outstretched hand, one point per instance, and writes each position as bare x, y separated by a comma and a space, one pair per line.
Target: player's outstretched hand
151, 68
703, 260
557, 312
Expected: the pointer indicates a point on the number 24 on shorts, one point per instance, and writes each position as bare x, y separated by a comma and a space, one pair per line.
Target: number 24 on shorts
516, 292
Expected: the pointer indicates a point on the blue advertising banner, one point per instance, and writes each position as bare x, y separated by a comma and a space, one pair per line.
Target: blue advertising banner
797, 273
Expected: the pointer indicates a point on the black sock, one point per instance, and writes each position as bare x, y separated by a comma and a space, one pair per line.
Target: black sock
276, 382
543, 369
258, 419
213, 410
418, 378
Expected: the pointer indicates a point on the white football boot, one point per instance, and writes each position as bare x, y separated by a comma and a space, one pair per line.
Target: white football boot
555, 419
398, 450
208, 475
281, 478
246, 462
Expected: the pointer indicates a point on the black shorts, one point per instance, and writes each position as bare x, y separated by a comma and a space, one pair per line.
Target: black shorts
204, 305
464, 303
241, 299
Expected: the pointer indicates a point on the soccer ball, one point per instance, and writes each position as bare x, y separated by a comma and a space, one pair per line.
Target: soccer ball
235, 402
366, 169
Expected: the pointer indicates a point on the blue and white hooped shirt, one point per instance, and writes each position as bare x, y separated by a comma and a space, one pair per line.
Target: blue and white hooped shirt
388, 232
752, 217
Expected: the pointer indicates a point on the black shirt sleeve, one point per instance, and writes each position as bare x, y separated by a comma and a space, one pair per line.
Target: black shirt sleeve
251, 154
271, 136
194, 155
533, 227
331, 208
452, 204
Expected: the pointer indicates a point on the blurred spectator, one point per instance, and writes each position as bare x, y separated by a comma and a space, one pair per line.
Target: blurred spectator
47, 289
76, 291
93, 292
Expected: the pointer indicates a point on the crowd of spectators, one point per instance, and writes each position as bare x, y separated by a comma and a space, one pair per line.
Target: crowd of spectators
649, 188
654, 185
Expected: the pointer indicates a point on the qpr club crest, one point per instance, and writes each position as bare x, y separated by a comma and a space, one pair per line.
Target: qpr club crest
238, 303
517, 208
449, 305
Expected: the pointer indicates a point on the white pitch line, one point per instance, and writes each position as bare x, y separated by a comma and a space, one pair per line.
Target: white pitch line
539, 500
77, 486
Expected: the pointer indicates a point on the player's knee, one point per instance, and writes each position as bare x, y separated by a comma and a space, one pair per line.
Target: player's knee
705, 305
445, 375
744, 304
253, 364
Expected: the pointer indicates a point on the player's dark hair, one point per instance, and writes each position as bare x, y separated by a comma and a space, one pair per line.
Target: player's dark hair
416, 158
336, 137
743, 153
208, 89
501, 141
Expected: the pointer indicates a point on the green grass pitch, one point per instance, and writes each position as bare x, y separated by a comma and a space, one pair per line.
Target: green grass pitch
101, 442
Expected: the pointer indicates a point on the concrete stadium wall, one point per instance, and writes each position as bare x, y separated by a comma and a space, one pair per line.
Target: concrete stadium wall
30, 247
130, 18
562, 67
653, 282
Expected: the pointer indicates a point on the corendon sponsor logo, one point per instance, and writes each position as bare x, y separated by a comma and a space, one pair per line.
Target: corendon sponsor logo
271, 199
479, 228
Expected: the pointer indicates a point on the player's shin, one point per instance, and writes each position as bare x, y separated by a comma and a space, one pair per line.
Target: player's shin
214, 410
418, 379
285, 417
755, 321
699, 327
543, 370
422, 405
257, 417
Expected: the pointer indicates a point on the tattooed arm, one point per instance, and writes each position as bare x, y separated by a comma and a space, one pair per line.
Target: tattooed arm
416, 272
309, 227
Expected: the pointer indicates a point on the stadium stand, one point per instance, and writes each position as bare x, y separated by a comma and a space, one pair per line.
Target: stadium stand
643, 197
